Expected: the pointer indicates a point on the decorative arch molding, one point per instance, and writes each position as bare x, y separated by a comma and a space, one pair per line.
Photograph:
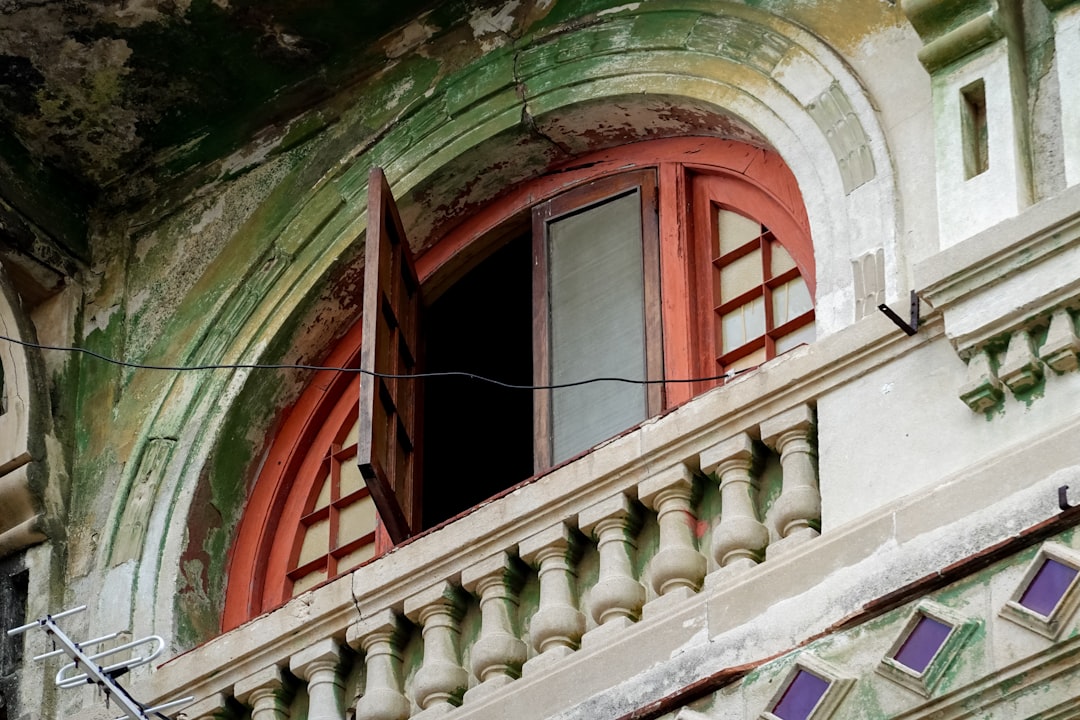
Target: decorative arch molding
686, 68
22, 520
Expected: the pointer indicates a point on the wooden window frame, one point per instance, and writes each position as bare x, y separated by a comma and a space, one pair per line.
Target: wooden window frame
712, 191
576, 200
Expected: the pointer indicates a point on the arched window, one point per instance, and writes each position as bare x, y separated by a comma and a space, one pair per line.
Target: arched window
664, 260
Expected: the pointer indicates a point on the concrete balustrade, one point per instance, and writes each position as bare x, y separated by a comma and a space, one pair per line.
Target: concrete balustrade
623, 557
616, 599
797, 512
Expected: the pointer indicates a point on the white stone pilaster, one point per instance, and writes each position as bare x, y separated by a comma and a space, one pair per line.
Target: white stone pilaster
975, 54
1066, 14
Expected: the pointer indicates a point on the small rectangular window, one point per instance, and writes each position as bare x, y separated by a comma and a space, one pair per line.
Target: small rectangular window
973, 129
1048, 587
922, 644
931, 640
1049, 592
801, 697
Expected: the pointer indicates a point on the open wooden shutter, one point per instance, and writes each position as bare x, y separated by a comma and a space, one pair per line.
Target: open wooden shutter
390, 408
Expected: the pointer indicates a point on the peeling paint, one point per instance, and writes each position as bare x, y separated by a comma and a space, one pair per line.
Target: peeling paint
629, 7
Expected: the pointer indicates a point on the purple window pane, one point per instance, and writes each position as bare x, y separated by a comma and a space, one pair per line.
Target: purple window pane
922, 644
1047, 587
801, 696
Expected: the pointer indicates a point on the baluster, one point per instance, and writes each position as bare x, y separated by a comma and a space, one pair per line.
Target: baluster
558, 625
381, 637
678, 568
797, 512
441, 680
266, 693
615, 602
740, 539
319, 665
211, 707
498, 653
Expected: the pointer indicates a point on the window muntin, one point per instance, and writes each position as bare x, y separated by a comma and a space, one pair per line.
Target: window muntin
762, 304
337, 529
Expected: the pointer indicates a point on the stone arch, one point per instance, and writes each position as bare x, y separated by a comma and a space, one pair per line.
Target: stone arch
716, 69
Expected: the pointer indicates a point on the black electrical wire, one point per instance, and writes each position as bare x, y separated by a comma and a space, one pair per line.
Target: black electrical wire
389, 376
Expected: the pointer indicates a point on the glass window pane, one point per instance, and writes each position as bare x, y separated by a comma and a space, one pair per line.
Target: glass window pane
743, 324
801, 696
1048, 587
747, 361
356, 520
791, 300
922, 644
316, 542
597, 323
324, 492
351, 479
735, 230
309, 581
361, 554
740, 276
780, 260
803, 336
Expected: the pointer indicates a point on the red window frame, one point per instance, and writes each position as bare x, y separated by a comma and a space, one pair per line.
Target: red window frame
697, 173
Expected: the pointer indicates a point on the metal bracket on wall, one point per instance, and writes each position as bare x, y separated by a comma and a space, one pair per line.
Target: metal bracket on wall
909, 327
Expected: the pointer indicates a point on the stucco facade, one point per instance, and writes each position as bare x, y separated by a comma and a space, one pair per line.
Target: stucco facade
804, 514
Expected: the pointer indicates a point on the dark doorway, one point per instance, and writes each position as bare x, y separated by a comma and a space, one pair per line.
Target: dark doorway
477, 436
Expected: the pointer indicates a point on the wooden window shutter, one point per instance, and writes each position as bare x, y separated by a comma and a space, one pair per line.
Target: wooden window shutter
388, 451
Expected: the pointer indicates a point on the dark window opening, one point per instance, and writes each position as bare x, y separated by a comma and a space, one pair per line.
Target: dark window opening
477, 436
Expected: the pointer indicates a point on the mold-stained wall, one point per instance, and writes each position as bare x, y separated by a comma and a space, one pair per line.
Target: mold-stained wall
209, 165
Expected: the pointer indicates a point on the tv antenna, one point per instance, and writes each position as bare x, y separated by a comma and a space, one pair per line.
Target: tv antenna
85, 669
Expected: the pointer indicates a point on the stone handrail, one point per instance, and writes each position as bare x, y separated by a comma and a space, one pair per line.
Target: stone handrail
593, 572
557, 567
